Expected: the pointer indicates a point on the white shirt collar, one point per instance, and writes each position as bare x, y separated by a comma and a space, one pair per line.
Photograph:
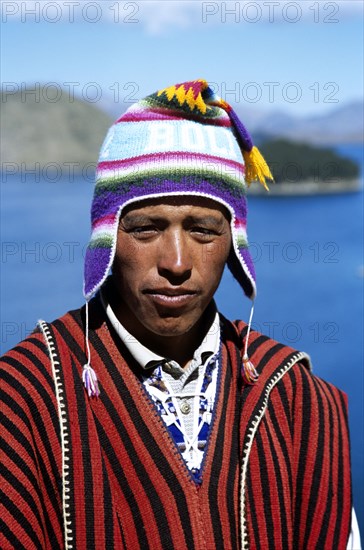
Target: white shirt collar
147, 358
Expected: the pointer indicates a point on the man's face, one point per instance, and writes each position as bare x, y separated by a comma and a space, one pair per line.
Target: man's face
169, 261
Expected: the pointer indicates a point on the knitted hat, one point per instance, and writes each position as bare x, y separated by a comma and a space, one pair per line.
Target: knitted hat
181, 140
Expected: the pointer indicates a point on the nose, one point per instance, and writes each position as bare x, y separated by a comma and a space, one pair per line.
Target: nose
175, 258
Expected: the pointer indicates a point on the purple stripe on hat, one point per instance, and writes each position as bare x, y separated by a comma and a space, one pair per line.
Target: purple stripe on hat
243, 134
108, 203
96, 266
248, 261
242, 268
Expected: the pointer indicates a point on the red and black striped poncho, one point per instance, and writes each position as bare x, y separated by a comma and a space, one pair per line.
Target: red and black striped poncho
84, 474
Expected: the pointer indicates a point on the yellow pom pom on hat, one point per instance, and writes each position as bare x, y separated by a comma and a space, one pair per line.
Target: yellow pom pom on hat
190, 93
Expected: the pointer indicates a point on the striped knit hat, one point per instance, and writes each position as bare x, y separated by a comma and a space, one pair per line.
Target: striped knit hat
181, 140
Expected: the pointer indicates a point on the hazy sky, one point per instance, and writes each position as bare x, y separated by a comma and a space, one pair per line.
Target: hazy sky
301, 57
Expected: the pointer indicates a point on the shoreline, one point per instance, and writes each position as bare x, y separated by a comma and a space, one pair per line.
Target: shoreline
307, 188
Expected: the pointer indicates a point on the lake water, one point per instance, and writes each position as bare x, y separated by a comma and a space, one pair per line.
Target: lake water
309, 262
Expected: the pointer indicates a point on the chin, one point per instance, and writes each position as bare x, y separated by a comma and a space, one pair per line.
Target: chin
172, 326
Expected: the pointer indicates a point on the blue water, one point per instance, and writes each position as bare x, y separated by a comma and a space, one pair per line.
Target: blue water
308, 257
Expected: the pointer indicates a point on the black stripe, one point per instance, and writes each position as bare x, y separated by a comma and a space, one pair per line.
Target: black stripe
264, 476
251, 497
255, 344
329, 499
36, 342
341, 488
21, 519
9, 534
343, 406
234, 470
72, 344
86, 456
108, 510
269, 354
338, 482
21, 489
262, 363
279, 434
280, 489
42, 433
121, 531
344, 441
14, 430
37, 363
317, 468
33, 380
14, 407
304, 438
123, 482
288, 402
19, 461
22, 465
219, 459
293, 398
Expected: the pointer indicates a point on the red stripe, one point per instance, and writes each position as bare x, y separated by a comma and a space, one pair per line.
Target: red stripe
169, 156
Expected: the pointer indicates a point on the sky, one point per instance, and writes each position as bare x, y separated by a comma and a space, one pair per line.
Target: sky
303, 58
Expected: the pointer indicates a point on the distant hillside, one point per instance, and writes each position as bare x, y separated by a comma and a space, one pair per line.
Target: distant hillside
298, 162
43, 131
342, 124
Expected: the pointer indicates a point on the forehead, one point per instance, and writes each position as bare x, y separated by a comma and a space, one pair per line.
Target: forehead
187, 203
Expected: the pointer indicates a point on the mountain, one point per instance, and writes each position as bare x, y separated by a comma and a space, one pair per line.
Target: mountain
342, 124
35, 129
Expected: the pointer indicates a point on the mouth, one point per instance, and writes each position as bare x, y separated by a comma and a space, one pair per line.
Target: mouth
171, 297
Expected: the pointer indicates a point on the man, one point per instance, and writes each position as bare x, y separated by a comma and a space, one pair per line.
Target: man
146, 419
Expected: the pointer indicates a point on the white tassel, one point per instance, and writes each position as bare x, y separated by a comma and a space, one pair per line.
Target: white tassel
89, 377
90, 381
248, 371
